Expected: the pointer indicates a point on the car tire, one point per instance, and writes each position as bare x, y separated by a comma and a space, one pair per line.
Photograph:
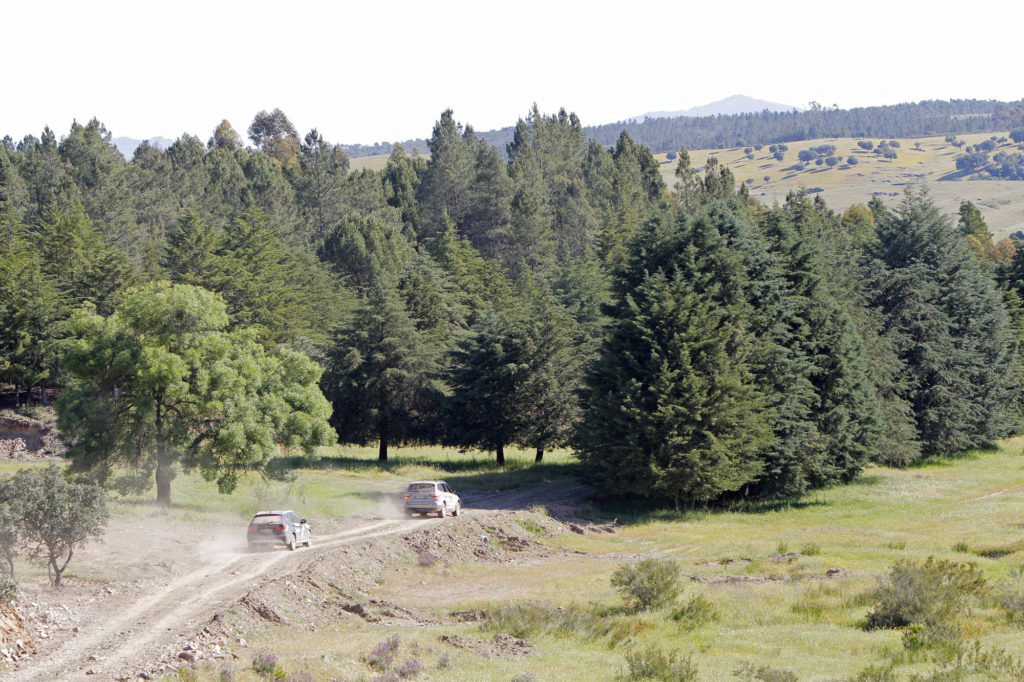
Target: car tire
309, 540
291, 544
457, 510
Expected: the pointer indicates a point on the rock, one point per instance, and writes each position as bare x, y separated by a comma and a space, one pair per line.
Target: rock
187, 657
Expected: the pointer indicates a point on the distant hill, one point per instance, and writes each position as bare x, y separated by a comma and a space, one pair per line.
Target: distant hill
127, 145
736, 104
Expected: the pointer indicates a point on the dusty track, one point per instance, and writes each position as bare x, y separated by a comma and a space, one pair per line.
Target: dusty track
128, 635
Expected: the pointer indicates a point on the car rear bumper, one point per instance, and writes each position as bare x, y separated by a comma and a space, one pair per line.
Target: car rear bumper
423, 506
262, 539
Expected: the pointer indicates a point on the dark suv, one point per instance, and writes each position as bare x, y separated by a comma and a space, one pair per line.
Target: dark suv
278, 528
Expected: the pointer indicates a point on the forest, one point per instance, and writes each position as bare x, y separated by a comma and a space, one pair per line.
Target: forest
688, 343
911, 119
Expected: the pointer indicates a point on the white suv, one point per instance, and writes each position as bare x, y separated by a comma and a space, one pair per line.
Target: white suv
425, 497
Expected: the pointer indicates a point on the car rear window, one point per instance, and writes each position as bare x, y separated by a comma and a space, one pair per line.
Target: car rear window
266, 518
419, 487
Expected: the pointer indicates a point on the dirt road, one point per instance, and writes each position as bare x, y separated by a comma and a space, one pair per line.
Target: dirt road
104, 647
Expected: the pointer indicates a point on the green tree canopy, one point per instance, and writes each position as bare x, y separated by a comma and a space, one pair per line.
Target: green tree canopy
160, 382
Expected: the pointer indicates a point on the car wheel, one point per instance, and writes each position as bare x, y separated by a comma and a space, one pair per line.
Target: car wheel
309, 540
291, 543
458, 509
441, 512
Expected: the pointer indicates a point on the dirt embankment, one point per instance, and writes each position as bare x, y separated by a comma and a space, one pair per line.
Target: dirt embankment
25, 438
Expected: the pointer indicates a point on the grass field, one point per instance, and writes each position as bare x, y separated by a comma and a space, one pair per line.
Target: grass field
765, 571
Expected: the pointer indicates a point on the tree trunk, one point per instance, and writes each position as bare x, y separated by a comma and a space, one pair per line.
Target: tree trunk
164, 474
382, 449
540, 456
501, 455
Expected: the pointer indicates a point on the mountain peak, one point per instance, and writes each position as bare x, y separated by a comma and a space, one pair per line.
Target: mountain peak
734, 104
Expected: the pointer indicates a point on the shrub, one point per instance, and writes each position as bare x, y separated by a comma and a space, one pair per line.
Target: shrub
767, 178
410, 668
764, 673
8, 589
672, 156
654, 664
1011, 595
647, 584
778, 156
851, 160
527, 620
264, 663
866, 145
774, 148
894, 144
426, 558
810, 549
694, 613
935, 595
382, 657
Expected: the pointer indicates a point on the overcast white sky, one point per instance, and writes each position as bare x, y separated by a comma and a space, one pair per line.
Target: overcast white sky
384, 70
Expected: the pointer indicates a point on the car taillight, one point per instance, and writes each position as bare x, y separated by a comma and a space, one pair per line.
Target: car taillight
407, 497
281, 527
433, 497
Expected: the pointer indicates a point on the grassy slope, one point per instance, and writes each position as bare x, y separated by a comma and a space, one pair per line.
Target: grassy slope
777, 612
1001, 202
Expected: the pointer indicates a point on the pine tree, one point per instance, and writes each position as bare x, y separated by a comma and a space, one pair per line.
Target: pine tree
487, 373
381, 375
671, 408
950, 328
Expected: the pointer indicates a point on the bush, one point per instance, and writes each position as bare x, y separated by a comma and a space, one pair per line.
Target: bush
264, 663
695, 613
648, 584
935, 595
851, 160
866, 145
654, 664
382, 656
672, 156
764, 673
527, 620
1011, 595
8, 589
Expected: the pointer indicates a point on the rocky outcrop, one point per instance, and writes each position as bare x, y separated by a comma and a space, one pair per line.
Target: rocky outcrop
14, 634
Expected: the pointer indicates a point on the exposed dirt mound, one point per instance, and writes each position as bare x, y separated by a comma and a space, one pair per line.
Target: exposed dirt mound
502, 646
25, 438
